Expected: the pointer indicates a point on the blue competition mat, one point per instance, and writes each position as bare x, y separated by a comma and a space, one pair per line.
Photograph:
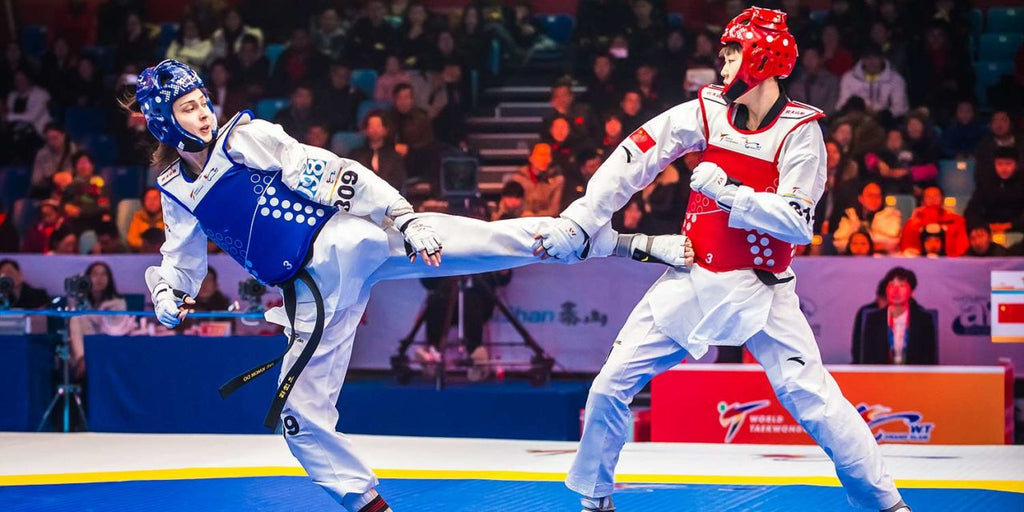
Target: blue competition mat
292, 494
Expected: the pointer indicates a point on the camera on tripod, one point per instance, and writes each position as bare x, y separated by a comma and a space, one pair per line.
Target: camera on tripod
78, 287
251, 292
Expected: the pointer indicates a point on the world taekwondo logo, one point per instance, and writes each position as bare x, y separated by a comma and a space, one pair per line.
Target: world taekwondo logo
746, 142
903, 426
731, 416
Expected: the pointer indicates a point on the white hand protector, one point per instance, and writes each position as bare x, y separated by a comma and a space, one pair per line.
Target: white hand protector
709, 179
167, 304
420, 238
672, 250
562, 239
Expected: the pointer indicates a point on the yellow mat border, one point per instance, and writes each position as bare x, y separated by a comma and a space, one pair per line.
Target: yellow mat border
1015, 486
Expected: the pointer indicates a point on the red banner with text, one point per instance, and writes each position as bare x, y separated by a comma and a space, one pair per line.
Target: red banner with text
736, 404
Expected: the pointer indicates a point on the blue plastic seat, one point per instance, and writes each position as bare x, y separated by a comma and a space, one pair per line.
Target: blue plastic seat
103, 149
82, 122
957, 204
988, 73
819, 16
905, 203
557, 26
1006, 20
675, 20
342, 143
977, 21
999, 47
123, 214
368, 105
14, 183
123, 182
365, 80
168, 33
103, 56
33, 40
25, 213
956, 177
267, 108
273, 52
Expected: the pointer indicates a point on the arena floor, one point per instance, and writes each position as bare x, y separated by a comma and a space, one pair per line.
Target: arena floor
226, 473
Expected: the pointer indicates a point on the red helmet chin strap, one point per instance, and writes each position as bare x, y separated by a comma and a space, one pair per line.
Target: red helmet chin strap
769, 50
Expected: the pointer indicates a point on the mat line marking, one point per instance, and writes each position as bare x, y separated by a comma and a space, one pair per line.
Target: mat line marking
1015, 486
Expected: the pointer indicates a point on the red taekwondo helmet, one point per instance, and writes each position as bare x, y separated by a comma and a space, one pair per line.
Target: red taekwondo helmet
769, 50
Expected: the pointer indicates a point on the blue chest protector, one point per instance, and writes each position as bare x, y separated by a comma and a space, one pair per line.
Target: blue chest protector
249, 213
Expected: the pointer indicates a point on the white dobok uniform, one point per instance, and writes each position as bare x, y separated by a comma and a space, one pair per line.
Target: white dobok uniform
722, 301
356, 247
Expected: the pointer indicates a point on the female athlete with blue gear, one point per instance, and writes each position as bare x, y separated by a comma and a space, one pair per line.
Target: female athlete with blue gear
289, 213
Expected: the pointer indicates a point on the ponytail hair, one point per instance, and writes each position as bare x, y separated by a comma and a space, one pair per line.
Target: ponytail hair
162, 156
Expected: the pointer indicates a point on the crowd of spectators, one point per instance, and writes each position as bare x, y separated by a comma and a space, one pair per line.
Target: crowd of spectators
895, 78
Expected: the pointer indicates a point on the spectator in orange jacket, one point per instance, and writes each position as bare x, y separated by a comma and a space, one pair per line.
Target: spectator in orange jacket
150, 216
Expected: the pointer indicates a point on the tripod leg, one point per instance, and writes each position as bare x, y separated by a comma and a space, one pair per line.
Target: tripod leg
421, 317
49, 411
527, 338
67, 410
81, 410
449, 314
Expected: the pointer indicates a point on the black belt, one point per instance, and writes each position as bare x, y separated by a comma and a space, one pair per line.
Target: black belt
770, 279
285, 388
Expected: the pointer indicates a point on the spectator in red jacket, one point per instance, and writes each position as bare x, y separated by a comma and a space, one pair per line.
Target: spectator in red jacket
931, 213
838, 60
37, 239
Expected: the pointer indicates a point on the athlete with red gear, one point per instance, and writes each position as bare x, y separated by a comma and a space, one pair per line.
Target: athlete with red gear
762, 172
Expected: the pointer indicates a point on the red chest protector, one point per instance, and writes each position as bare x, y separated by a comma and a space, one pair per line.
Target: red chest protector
751, 157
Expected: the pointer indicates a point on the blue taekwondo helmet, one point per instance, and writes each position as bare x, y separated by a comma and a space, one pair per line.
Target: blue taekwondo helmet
156, 90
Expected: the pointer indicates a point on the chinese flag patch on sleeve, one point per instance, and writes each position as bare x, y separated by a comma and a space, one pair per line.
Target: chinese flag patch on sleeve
642, 139
1011, 313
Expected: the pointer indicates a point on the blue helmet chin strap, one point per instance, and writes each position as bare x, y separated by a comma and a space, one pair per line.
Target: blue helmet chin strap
157, 89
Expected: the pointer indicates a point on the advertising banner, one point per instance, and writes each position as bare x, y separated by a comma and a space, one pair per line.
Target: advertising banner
575, 311
735, 404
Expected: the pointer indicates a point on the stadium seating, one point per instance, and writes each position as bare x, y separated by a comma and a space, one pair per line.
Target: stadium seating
82, 122
956, 177
977, 22
905, 203
999, 47
123, 214
675, 20
1012, 238
368, 105
86, 241
365, 80
168, 33
33, 41
957, 204
342, 143
103, 149
14, 183
819, 16
103, 56
123, 182
25, 213
987, 74
272, 52
267, 108
1006, 20
557, 26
